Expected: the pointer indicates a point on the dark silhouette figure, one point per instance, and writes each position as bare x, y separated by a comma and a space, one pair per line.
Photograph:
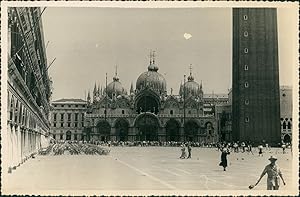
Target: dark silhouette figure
189, 151
224, 154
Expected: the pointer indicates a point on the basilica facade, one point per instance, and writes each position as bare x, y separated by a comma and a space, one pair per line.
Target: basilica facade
148, 113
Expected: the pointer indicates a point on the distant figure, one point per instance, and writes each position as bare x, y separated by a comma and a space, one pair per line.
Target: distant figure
274, 173
260, 150
236, 147
183, 153
224, 154
283, 148
250, 148
189, 151
267, 147
243, 146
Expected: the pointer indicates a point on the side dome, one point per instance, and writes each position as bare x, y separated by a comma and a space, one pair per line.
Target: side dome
152, 79
190, 88
115, 88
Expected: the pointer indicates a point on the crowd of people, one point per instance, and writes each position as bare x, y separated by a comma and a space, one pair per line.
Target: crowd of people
249, 148
74, 148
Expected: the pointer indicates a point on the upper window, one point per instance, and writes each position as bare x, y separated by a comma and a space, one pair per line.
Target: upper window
246, 84
171, 112
245, 17
246, 50
76, 116
54, 117
123, 112
246, 67
247, 119
246, 34
247, 101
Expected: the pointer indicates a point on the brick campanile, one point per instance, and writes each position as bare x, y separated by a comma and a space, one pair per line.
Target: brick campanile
255, 89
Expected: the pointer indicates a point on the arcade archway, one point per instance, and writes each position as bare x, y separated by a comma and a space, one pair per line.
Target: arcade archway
147, 126
121, 130
191, 131
172, 130
287, 138
103, 130
147, 103
68, 135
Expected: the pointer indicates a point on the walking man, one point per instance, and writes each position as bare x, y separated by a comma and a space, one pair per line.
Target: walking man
274, 173
260, 149
189, 151
224, 154
183, 153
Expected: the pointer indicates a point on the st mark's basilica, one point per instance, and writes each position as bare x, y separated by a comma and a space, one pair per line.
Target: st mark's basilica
148, 113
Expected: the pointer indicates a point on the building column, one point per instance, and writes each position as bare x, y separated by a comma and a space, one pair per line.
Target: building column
9, 147
181, 133
113, 134
19, 136
162, 134
131, 134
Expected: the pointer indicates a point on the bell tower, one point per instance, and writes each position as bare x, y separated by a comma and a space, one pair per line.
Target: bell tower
256, 104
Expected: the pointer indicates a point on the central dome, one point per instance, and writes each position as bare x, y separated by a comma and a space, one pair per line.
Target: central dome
152, 79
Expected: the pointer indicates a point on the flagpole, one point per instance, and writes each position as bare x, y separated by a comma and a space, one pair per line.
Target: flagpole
184, 106
105, 96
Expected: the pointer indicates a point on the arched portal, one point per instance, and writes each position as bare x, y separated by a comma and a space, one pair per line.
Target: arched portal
103, 130
68, 135
147, 126
287, 138
122, 129
191, 131
147, 103
172, 130
209, 128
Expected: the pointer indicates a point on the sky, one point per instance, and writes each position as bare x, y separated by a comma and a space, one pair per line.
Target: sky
89, 42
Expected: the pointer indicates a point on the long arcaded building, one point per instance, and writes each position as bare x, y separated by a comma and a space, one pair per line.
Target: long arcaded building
28, 89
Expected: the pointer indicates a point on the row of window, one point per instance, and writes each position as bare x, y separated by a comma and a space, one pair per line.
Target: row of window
69, 115
68, 124
68, 137
286, 125
56, 105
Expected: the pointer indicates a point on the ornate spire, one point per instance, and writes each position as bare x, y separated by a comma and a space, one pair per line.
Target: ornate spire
95, 89
89, 97
152, 66
180, 88
150, 57
190, 78
116, 78
95, 93
98, 90
131, 88
153, 57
